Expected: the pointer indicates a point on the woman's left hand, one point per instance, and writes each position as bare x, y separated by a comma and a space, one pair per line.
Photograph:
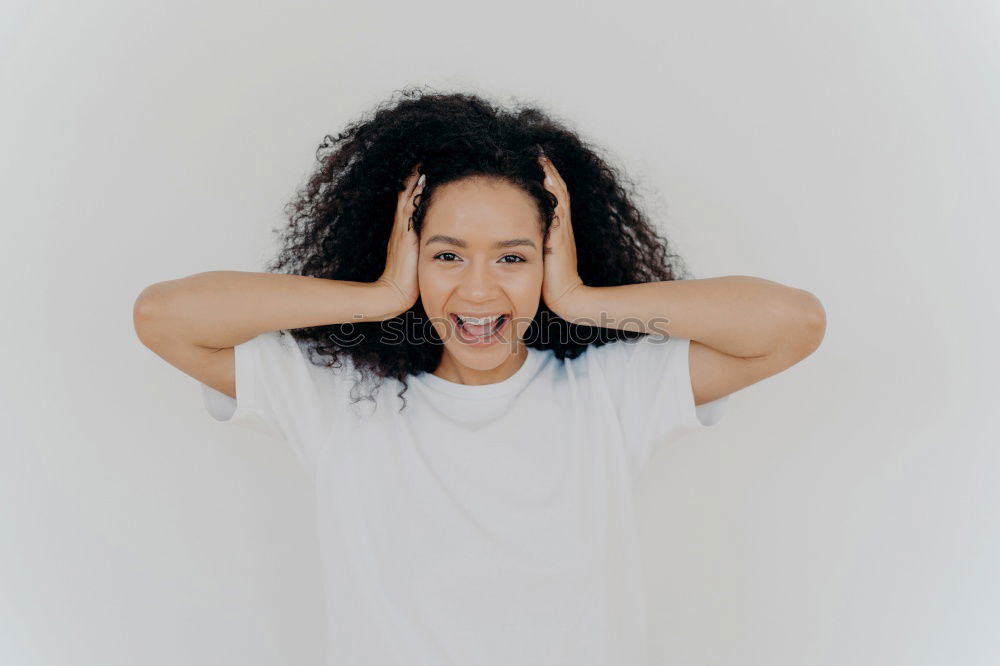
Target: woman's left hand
561, 279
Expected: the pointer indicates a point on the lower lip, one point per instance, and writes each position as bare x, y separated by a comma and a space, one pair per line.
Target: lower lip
485, 341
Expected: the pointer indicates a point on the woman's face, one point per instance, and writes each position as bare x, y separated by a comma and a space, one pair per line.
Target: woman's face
481, 254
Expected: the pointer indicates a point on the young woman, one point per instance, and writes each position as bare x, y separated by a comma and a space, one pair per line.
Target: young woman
538, 342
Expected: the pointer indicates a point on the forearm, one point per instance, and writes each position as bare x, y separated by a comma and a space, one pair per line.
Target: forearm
218, 309
739, 315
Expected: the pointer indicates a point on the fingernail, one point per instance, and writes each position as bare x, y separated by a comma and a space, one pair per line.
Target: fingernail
420, 181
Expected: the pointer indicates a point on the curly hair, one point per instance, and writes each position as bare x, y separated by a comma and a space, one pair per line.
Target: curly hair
340, 220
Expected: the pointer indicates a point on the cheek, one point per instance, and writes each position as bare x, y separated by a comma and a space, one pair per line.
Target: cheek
526, 292
433, 286
526, 284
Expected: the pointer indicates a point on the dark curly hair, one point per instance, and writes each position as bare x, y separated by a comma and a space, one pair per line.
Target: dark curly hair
340, 220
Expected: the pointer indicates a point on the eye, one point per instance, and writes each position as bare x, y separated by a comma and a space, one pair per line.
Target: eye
440, 257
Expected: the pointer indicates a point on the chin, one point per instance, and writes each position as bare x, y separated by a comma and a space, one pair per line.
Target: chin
479, 360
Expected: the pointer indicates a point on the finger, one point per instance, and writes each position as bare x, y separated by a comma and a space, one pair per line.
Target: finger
552, 186
557, 187
553, 175
413, 187
558, 182
411, 180
404, 197
418, 187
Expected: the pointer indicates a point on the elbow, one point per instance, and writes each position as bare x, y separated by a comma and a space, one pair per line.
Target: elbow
145, 309
811, 322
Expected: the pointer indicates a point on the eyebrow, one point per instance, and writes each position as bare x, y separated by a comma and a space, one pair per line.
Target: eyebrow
451, 240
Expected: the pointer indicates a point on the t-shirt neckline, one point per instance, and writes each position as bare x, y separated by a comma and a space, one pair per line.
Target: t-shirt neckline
512, 384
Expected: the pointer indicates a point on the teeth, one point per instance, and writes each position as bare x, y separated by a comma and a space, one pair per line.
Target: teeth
479, 321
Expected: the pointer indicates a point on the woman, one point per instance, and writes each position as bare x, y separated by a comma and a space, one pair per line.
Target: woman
489, 265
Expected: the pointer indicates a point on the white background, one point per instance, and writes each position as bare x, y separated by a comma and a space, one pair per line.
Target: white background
843, 513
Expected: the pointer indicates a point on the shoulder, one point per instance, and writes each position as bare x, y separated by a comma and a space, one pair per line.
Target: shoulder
629, 363
283, 356
641, 349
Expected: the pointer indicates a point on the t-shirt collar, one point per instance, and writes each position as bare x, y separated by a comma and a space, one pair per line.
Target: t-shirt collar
512, 384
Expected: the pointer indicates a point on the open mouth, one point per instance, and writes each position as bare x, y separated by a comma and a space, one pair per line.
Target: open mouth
480, 330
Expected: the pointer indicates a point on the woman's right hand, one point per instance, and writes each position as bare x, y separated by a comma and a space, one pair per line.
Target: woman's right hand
400, 274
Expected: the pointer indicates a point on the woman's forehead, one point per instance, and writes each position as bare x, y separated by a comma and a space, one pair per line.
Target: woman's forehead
480, 215
486, 241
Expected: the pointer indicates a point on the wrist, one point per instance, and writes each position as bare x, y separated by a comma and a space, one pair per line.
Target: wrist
576, 304
387, 300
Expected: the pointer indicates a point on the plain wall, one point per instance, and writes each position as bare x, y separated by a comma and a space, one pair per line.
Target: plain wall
842, 513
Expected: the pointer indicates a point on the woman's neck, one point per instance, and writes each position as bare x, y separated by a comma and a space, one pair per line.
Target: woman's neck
453, 371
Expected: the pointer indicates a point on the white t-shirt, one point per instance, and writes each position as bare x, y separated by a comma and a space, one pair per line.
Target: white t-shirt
489, 525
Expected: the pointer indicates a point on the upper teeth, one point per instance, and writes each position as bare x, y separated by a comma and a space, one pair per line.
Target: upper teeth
479, 321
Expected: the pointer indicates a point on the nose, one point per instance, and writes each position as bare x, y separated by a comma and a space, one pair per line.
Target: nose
478, 285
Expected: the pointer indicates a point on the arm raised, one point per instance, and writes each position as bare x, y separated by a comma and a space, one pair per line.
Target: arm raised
194, 322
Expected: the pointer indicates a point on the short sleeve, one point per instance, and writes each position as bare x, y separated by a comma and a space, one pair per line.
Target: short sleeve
280, 393
649, 382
